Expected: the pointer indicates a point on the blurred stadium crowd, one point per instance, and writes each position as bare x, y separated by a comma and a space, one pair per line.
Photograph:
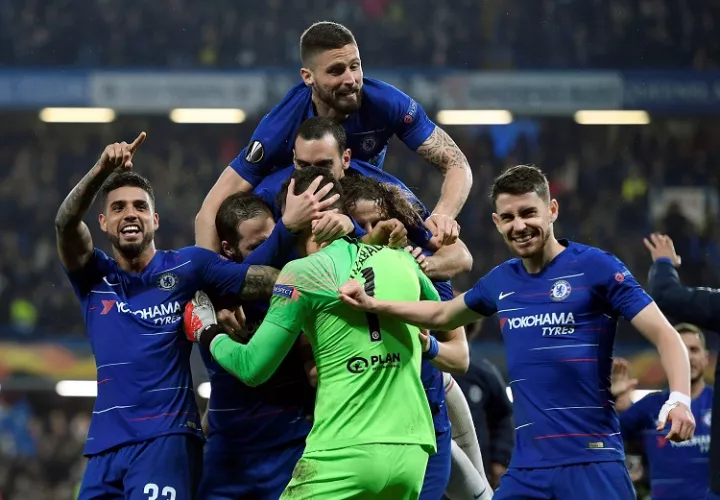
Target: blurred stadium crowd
602, 176
464, 34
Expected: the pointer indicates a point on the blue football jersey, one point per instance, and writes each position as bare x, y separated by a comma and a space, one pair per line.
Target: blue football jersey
384, 112
271, 186
134, 323
256, 418
559, 328
678, 471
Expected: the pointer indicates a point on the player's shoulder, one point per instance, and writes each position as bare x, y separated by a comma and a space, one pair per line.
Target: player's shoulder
652, 400
276, 179
383, 96
508, 268
588, 252
298, 97
288, 112
193, 255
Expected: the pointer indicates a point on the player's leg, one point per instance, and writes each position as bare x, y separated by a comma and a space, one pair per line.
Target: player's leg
465, 481
437, 472
463, 428
165, 468
526, 484
102, 479
595, 481
405, 464
357, 472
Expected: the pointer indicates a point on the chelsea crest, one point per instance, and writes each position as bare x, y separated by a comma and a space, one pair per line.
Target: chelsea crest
167, 281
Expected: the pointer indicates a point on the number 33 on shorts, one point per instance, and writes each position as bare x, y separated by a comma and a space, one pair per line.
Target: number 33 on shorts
154, 492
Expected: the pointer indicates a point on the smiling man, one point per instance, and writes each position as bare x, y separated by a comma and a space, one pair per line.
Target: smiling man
370, 111
558, 305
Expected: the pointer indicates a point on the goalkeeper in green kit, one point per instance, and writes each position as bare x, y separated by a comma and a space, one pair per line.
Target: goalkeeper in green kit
372, 433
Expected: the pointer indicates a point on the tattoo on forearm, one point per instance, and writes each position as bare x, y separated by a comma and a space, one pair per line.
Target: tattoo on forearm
259, 283
80, 199
440, 150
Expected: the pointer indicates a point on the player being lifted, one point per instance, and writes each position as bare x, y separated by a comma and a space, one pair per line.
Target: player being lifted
371, 111
361, 445
558, 306
144, 440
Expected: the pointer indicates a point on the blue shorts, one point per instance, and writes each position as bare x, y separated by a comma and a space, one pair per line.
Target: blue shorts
165, 468
256, 475
592, 481
437, 472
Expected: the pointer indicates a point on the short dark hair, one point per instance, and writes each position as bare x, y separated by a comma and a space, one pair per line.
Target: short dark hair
323, 36
390, 199
692, 329
235, 209
519, 180
314, 129
127, 178
304, 177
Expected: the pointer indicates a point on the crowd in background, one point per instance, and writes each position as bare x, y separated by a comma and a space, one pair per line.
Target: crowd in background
466, 34
601, 176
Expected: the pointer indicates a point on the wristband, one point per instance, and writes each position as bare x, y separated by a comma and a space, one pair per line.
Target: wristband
433, 351
206, 336
679, 397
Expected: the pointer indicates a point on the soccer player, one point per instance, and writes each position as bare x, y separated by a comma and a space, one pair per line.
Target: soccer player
145, 440
256, 435
321, 142
638, 424
558, 304
700, 306
369, 201
371, 111
372, 430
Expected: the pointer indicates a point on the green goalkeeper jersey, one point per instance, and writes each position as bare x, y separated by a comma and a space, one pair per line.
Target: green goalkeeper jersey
369, 388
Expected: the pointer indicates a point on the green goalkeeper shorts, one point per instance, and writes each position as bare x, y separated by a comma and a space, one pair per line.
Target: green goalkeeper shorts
372, 471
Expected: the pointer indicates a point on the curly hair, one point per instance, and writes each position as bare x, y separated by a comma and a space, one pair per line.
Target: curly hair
392, 201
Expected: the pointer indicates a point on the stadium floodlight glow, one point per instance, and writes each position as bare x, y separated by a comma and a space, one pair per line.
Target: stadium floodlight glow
203, 390
77, 388
77, 115
207, 115
474, 117
612, 117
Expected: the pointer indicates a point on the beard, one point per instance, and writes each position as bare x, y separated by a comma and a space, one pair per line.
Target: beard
336, 101
524, 252
131, 250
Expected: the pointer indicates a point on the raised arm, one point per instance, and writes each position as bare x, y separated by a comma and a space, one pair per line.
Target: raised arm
229, 182
428, 314
74, 242
440, 150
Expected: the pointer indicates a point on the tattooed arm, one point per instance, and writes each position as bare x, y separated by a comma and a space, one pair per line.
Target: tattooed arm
259, 283
440, 150
74, 242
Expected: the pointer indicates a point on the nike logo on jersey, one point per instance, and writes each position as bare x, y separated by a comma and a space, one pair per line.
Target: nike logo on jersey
503, 295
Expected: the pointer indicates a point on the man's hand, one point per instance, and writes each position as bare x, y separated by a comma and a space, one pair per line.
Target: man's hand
620, 380
683, 422
330, 227
424, 336
661, 246
119, 156
444, 228
386, 232
302, 209
354, 295
423, 260
233, 323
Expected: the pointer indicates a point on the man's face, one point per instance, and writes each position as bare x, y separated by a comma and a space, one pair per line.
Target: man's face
525, 222
336, 78
697, 353
129, 221
252, 233
366, 213
323, 153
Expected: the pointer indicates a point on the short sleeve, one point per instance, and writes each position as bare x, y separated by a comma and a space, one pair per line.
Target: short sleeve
619, 287
412, 124
221, 278
97, 267
479, 298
